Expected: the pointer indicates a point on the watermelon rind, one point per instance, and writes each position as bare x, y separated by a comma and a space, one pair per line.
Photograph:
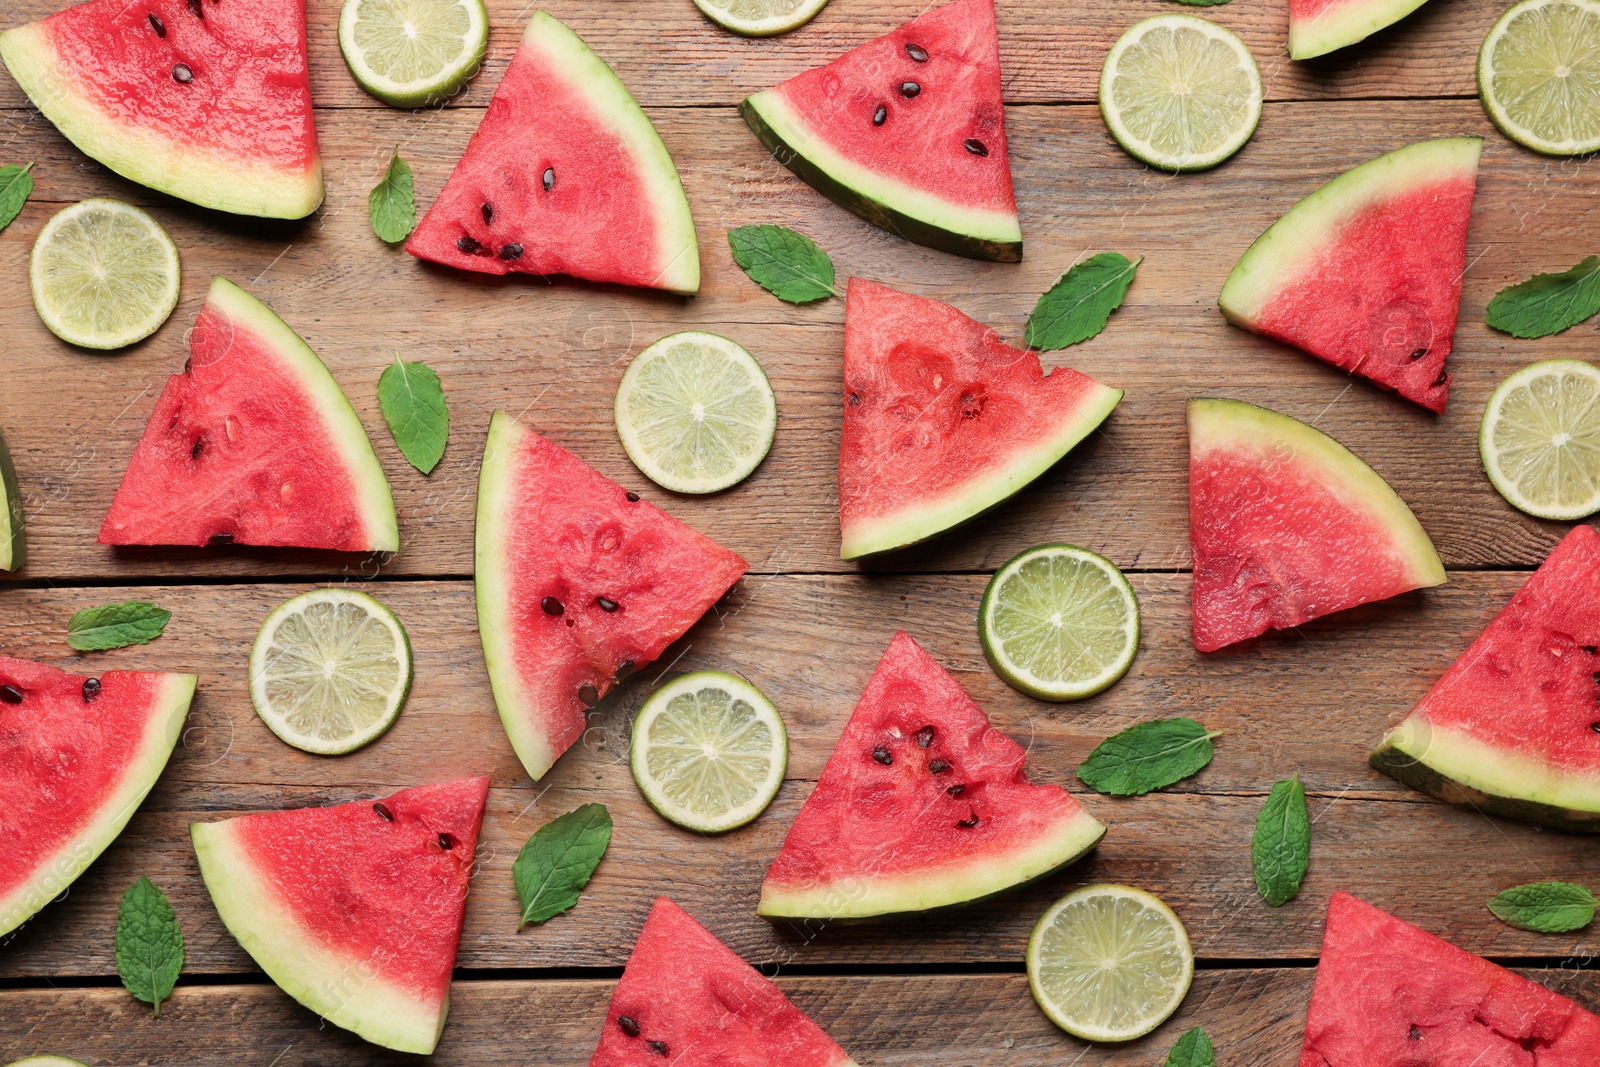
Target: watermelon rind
13, 536
914, 214
1342, 24
187, 171
56, 873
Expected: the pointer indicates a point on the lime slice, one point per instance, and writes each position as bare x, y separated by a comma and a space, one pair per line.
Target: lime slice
330, 670
1539, 75
1540, 439
760, 18
104, 274
695, 413
1180, 93
1059, 622
709, 751
1109, 963
413, 53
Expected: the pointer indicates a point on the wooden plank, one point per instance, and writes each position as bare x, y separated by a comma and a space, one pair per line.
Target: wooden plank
1311, 703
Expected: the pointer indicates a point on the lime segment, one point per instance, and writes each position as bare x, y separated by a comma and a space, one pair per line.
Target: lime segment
760, 18
104, 274
709, 751
330, 670
413, 53
1540, 439
1539, 75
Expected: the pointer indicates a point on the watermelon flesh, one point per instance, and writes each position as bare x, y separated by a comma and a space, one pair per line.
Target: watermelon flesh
1390, 995
1288, 525
1317, 27
1513, 727
922, 804
686, 999
579, 584
354, 910
565, 175
907, 131
942, 419
253, 443
1365, 273
208, 101
77, 756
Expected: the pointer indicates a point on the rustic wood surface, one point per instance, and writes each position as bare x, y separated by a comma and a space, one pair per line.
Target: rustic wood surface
939, 990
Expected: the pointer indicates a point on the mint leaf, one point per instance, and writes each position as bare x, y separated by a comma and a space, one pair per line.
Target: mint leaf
1148, 756
133, 622
787, 264
558, 860
1281, 848
412, 401
392, 204
1547, 303
1194, 1048
1077, 306
149, 943
1546, 907
16, 185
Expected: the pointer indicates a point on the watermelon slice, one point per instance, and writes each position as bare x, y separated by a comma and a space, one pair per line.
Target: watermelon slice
564, 176
943, 420
1391, 995
252, 443
579, 584
1317, 27
1513, 727
1288, 525
907, 131
77, 756
687, 1000
922, 804
1365, 273
354, 910
208, 101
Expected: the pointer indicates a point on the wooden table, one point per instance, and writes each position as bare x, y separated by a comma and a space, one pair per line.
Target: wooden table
939, 990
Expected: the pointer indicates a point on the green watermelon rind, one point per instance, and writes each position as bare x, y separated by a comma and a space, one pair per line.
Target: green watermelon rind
1344, 24
45, 1061
13, 535
195, 173
981, 493
56, 874
342, 989
1277, 258
912, 213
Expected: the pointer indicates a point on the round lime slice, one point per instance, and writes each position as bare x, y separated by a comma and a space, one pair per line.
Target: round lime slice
760, 18
413, 53
695, 412
1059, 623
104, 274
1109, 963
709, 751
1540, 439
44, 1061
330, 670
1539, 75
1180, 93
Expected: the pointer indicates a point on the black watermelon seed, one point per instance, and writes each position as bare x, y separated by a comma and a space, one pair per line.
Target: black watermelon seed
606, 604
511, 251
1595, 726
633, 498
468, 244
917, 52
488, 212
629, 1025
549, 178
1593, 650
188, 365
967, 824
624, 669
199, 447
551, 606
883, 755
879, 115
925, 737
976, 147
446, 842
222, 539
909, 89
1418, 354
198, 11
658, 1047
956, 790
182, 74
1415, 1034
938, 766
1444, 376
589, 695
91, 689
10, 694
157, 25
855, 398
383, 811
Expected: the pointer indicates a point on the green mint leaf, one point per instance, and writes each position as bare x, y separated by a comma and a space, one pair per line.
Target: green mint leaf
392, 204
1281, 848
149, 943
557, 861
133, 622
413, 405
1077, 306
16, 185
1547, 303
1546, 907
1150, 755
787, 264
1193, 1048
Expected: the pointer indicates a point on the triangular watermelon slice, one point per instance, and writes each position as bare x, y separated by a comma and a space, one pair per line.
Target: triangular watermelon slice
1513, 727
1365, 273
254, 443
942, 419
205, 99
1288, 525
922, 804
565, 175
77, 756
579, 583
686, 999
907, 131
354, 910
1391, 995
1317, 27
